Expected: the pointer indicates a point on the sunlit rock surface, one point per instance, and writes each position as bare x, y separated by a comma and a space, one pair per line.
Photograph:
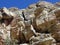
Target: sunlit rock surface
38, 24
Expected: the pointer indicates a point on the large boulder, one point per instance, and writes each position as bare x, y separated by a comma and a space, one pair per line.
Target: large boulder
44, 21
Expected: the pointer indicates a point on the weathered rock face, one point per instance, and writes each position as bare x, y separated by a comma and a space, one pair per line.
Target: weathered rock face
32, 6
1, 36
43, 39
44, 21
57, 13
45, 4
38, 11
56, 32
38, 24
16, 30
28, 14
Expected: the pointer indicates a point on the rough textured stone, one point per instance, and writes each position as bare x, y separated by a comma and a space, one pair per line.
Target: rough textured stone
44, 21
38, 24
45, 4
56, 32
43, 39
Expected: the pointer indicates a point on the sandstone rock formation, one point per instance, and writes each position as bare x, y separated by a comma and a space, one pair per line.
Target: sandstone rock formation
38, 24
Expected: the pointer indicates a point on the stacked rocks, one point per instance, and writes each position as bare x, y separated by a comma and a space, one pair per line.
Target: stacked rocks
38, 24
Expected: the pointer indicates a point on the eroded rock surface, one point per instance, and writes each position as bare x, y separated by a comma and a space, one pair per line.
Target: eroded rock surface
38, 24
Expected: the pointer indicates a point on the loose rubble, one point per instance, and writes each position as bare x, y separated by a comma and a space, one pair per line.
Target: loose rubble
38, 24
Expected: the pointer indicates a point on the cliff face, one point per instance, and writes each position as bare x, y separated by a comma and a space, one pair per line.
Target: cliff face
38, 24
